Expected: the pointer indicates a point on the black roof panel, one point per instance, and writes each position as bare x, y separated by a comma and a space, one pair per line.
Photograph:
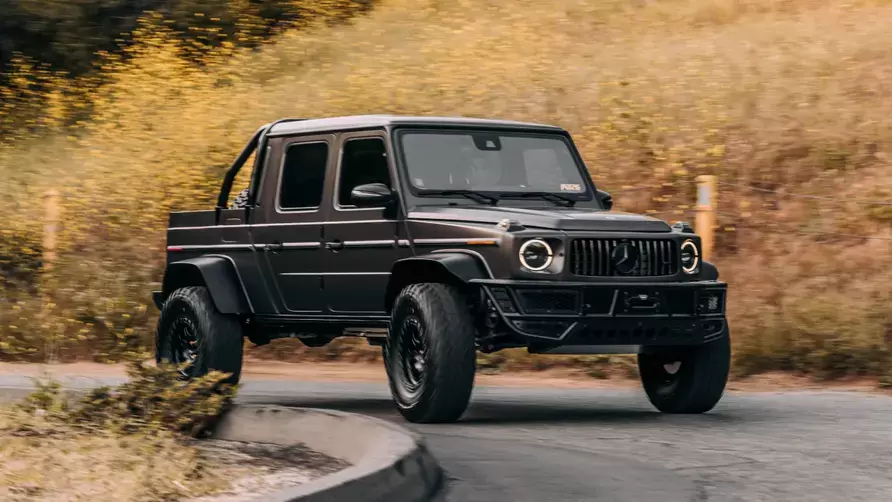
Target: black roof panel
376, 121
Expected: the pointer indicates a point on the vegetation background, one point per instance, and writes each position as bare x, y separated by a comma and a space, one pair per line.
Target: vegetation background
133, 109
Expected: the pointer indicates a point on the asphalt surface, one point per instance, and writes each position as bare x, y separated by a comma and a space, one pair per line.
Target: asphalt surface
548, 445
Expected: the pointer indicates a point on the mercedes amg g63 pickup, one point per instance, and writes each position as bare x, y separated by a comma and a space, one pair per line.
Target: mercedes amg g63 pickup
435, 238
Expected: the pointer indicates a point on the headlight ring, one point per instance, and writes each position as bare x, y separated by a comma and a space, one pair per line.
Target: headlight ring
536, 255
692, 263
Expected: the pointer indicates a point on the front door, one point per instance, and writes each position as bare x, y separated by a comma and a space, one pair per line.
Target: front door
361, 243
288, 225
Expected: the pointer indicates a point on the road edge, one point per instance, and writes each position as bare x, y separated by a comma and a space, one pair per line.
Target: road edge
388, 462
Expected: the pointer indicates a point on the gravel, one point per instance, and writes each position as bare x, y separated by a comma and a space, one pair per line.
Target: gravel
272, 467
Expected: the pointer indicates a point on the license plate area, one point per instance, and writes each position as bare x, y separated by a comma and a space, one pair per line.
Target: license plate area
640, 302
637, 302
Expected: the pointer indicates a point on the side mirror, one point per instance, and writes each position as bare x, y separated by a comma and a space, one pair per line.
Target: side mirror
372, 194
606, 199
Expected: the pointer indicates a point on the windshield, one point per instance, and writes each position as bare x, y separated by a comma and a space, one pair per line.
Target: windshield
486, 161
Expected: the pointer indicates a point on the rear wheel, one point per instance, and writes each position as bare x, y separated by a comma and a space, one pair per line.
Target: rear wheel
687, 380
193, 334
430, 353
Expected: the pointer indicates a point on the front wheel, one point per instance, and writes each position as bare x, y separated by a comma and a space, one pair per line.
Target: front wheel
193, 335
430, 353
688, 379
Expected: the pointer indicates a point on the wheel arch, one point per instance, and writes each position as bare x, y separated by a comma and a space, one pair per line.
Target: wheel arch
449, 267
217, 273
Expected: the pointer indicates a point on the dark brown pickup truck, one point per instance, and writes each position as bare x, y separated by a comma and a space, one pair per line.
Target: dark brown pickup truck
435, 238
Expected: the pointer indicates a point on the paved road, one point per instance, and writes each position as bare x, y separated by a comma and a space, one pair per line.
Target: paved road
593, 445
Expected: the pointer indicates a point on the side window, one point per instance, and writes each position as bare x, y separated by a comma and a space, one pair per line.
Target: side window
303, 176
363, 161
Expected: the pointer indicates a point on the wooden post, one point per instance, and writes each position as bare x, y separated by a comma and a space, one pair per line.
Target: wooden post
705, 222
50, 229
50, 233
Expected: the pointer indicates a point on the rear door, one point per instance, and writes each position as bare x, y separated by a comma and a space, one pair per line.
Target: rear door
287, 228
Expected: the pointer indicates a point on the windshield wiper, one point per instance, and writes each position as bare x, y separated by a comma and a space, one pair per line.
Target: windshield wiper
553, 197
471, 194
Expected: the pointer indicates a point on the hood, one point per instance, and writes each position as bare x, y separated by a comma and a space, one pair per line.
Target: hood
558, 218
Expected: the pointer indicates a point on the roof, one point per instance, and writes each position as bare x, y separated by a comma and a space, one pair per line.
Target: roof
378, 121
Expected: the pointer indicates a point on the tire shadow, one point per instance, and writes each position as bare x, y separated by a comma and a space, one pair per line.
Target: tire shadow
603, 415
490, 413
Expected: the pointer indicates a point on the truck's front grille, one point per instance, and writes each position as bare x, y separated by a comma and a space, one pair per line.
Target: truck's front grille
645, 257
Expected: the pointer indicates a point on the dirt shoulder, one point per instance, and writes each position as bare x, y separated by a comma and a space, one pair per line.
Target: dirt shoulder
259, 370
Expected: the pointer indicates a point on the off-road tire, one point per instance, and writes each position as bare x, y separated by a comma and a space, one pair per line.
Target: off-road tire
699, 382
241, 200
220, 337
437, 314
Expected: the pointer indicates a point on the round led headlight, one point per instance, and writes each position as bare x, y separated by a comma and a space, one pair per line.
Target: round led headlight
536, 255
690, 257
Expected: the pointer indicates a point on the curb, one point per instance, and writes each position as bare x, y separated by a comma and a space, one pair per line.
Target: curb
388, 462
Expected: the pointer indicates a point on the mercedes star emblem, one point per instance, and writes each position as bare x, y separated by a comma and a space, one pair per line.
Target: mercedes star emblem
624, 258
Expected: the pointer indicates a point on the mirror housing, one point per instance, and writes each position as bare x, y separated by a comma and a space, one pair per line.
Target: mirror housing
372, 194
605, 199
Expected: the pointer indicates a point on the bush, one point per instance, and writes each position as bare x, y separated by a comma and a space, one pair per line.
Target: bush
130, 443
154, 400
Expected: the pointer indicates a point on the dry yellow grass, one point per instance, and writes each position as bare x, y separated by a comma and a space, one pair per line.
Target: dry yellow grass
768, 94
131, 443
136, 443
47, 461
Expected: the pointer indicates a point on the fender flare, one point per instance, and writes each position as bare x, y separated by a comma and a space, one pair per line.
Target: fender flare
708, 271
216, 272
455, 267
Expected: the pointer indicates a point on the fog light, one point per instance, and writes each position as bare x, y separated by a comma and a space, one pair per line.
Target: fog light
711, 302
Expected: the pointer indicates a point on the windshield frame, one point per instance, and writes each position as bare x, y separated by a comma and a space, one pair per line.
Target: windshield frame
586, 199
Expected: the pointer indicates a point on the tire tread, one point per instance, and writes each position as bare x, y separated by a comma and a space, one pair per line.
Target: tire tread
702, 385
451, 342
222, 338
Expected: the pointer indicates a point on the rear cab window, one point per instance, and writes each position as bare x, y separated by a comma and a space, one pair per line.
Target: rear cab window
303, 176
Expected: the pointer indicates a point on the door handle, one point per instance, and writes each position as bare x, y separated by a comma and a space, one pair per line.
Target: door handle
275, 247
334, 245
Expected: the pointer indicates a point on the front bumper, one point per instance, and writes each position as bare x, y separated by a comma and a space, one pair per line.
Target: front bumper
615, 313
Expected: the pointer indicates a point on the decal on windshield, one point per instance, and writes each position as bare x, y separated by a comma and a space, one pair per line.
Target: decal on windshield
571, 187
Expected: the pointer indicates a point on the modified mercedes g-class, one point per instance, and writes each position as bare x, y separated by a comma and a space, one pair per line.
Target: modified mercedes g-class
436, 238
